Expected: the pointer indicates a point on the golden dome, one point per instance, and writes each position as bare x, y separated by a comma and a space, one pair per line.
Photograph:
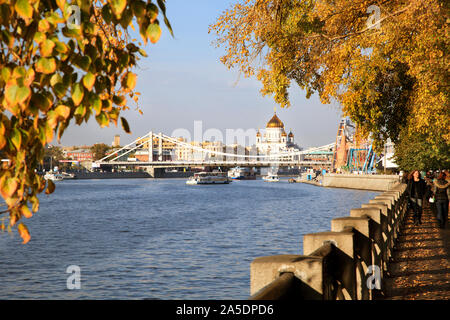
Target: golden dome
284, 134
258, 134
275, 122
291, 135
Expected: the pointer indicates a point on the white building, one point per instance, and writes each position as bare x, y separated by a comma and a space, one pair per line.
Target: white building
275, 140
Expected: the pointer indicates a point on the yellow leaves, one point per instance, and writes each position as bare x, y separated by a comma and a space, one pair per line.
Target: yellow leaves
8, 185
50, 187
46, 47
129, 81
46, 65
25, 212
60, 113
89, 81
24, 233
77, 93
24, 10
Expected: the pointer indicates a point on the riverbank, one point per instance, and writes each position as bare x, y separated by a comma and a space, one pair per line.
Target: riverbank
128, 175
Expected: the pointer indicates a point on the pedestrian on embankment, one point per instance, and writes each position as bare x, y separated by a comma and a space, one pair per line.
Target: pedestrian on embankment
429, 179
416, 192
441, 192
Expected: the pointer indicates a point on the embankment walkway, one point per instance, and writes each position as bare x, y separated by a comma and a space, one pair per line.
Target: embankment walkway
419, 268
376, 253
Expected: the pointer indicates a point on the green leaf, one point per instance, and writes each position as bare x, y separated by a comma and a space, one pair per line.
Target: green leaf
24, 9
23, 93
39, 37
106, 13
89, 81
11, 94
6, 73
125, 125
77, 93
41, 102
138, 8
152, 12
96, 103
60, 90
102, 119
56, 78
16, 138
80, 111
16, 94
84, 63
46, 65
119, 100
126, 19
117, 7
153, 32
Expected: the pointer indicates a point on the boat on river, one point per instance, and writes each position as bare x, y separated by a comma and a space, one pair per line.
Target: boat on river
271, 177
239, 173
208, 178
53, 176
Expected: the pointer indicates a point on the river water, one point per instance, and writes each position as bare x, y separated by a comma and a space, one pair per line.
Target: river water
162, 239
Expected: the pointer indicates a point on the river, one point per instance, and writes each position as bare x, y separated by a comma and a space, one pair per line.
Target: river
162, 239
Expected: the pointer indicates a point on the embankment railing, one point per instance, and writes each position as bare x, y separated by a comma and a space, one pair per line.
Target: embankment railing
347, 263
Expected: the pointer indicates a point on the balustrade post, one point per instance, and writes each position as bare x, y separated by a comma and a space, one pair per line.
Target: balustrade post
343, 269
362, 247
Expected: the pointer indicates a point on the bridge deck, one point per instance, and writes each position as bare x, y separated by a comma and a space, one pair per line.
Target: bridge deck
420, 268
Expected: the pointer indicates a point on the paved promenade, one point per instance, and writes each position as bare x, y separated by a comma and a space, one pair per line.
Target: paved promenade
420, 268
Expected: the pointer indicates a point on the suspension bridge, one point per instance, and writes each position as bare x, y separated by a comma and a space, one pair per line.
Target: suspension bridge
158, 150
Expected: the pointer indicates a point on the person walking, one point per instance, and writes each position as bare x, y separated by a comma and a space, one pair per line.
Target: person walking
416, 191
441, 192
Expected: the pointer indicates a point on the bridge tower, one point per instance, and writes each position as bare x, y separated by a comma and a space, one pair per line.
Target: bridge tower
150, 146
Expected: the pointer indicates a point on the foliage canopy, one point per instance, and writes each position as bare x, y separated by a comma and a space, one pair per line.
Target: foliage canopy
388, 72
61, 61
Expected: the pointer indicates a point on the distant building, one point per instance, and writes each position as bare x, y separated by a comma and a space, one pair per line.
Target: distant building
116, 141
275, 140
80, 155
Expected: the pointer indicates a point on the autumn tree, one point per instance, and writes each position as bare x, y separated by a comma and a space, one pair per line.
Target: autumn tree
385, 62
415, 153
62, 62
100, 150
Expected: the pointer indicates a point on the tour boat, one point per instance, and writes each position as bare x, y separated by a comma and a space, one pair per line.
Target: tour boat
66, 175
53, 176
208, 178
238, 173
271, 178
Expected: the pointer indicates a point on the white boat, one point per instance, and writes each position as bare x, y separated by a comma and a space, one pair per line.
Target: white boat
53, 176
271, 178
208, 178
66, 175
238, 173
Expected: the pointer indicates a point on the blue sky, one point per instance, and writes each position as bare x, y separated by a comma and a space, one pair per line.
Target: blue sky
182, 80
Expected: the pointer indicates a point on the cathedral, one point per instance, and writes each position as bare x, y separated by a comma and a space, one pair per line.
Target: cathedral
275, 140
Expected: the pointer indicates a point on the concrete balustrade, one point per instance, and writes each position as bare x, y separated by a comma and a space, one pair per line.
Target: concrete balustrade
340, 263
